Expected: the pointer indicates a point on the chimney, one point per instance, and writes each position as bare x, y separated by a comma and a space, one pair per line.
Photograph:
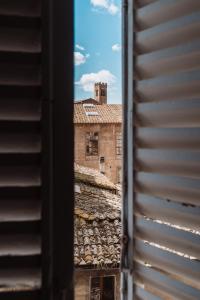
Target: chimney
100, 92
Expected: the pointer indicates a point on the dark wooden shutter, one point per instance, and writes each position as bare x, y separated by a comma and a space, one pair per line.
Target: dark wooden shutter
162, 149
36, 149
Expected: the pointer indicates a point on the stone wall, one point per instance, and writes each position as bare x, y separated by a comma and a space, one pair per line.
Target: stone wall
107, 148
82, 282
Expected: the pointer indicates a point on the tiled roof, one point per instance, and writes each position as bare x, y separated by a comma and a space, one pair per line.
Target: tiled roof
104, 113
93, 177
97, 226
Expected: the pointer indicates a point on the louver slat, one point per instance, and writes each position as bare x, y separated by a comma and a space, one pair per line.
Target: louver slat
156, 13
20, 149
20, 143
141, 294
169, 34
153, 114
178, 214
24, 210
30, 8
164, 98
173, 138
25, 278
174, 238
178, 189
20, 262
174, 163
162, 285
178, 267
20, 40
31, 295
171, 60
141, 3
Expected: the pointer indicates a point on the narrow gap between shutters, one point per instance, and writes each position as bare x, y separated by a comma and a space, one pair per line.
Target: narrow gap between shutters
98, 149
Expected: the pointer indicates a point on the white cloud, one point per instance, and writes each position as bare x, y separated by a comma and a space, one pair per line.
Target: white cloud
87, 81
80, 58
113, 9
80, 47
108, 5
116, 47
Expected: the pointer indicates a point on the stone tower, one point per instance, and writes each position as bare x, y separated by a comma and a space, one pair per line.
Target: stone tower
100, 92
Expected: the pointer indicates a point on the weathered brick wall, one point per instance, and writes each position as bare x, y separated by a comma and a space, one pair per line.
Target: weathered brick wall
107, 148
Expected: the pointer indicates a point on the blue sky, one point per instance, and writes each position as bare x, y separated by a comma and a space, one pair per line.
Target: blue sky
98, 47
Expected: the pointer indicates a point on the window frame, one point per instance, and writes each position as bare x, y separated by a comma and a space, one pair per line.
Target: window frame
101, 277
58, 157
118, 146
128, 85
91, 135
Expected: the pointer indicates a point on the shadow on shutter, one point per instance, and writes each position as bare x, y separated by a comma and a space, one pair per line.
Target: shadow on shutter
166, 196
20, 149
36, 149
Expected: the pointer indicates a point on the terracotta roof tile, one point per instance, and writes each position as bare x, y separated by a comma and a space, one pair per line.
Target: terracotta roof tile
105, 113
97, 226
93, 177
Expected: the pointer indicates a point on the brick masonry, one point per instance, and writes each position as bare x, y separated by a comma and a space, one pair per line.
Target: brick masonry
106, 148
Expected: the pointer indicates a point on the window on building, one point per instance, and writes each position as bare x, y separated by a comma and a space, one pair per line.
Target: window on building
118, 143
97, 93
92, 141
103, 93
102, 165
119, 175
102, 288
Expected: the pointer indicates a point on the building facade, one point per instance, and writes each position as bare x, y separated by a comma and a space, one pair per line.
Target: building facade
98, 134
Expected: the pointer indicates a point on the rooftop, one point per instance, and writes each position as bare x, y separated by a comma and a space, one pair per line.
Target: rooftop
97, 223
88, 100
104, 113
93, 177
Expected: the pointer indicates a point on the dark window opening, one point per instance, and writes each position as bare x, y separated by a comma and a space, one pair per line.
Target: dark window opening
97, 93
102, 159
103, 93
92, 141
102, 165
102, 288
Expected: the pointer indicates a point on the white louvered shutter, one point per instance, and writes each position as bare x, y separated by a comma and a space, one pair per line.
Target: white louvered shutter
162, 149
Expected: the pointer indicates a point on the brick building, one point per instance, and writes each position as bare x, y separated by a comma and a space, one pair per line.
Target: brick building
98, 137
